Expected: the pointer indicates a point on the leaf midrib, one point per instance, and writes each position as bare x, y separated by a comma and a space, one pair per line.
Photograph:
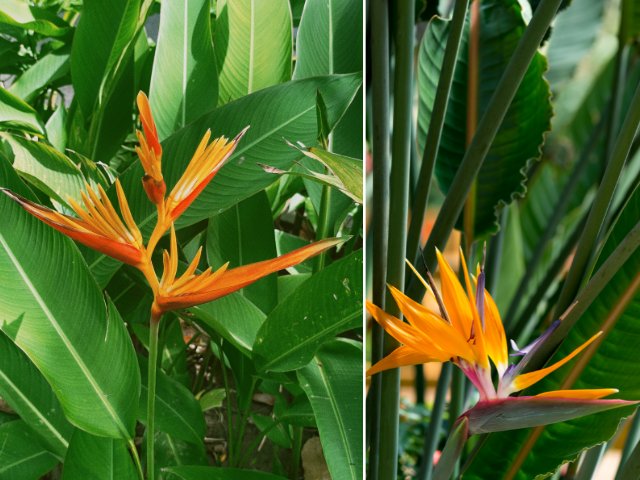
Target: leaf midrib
66, 342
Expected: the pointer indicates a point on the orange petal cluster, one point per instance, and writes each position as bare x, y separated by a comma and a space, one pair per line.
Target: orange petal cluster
469, 332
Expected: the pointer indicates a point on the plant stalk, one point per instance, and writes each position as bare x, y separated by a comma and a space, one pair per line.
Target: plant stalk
323, 225
398, 214
380, 221
486, 132
435, 422
588, 239
434, 133
151, 394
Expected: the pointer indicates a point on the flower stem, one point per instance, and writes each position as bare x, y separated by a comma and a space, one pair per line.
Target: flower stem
323, 224
151, 394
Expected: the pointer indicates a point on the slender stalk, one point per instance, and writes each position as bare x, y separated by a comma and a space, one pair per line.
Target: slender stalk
458, 400
380, 222
487, 130
435, 423
633, 436
559, 210
419, 384
323, 225
436, 124
590, 462
587, 242
136, 458
151, 394
227, 390
398, 213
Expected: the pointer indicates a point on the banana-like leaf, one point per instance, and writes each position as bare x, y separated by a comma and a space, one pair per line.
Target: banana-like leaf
22, 457
332, 381
241, 235
327, 304
26, 391
609, 364
631, 20
48, 69
98, 458
253, 42
80, 345
325, 25
15, 112
184, 80
520, 136
282, 111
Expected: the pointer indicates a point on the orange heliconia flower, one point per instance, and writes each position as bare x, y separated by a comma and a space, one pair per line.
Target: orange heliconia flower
98, 226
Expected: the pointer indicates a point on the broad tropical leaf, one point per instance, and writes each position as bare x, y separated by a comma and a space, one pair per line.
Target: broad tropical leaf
22, 456
253, 43
184, 79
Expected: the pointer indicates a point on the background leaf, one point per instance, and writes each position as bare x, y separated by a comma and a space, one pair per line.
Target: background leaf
14, 111
329, 303
184, 81
332, 383
22, 457
253, 42
521, 133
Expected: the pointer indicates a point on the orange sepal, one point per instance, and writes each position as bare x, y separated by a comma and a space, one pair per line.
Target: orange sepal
401, 357
229, 281
155, 189
78, 230
148, 125
586, 394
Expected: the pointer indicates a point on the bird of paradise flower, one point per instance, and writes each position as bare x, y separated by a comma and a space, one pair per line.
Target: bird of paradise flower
468, 331
98, 226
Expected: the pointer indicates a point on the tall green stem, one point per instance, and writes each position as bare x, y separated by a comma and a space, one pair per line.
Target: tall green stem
588, 239
323, 224
151, 395
380, 223
398, 213
436, 124
487, 130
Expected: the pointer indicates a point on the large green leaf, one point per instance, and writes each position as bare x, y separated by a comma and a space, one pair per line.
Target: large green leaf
78, 342
609, 365
521, 134
241, 235
178, 413
22, 457
631, 20
171, 452
329, 38
25, 390
234, 318
98, 458
275, 113
15, 112
46, 70
333, 383
253, 43
184, 80
329, 303
573, 34
102, 33
217, 473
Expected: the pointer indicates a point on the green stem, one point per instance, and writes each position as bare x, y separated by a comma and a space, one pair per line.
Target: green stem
380, 221
457, 402
559, 210
323, 224
434, 133
587, 243
398, 213
297, 448
487, 130
227, 391
136, 458
151, 395
435, 422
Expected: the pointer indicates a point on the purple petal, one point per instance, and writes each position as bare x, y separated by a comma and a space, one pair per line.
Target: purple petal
480, 297
512, 413
528, 352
